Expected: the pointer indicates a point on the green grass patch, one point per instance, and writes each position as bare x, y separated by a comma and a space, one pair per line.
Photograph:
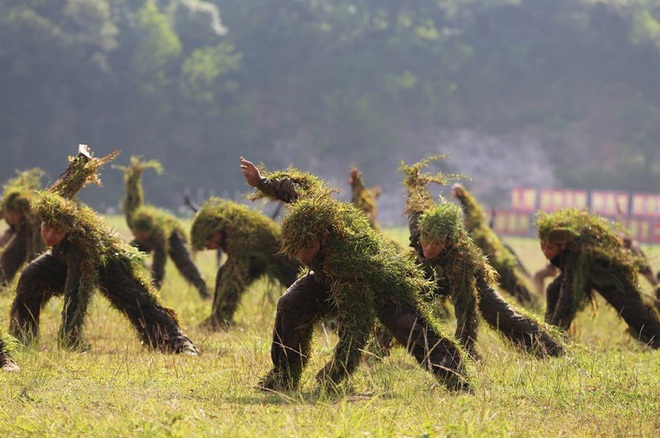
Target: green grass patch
607, 385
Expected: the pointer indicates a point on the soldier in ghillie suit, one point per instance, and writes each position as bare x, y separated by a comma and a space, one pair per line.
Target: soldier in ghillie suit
461, 271
6, 344
356, 278
251, 242
22, 239
363, 198
512, 276
590, 255
631, 244
85, 255
155, 230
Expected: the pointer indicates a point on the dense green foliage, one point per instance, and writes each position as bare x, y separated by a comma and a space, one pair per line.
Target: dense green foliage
195, 82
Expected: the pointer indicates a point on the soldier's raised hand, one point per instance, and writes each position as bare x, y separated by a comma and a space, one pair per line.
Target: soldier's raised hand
250, 172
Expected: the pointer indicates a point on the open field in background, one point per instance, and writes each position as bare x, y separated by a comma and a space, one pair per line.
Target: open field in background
607, 385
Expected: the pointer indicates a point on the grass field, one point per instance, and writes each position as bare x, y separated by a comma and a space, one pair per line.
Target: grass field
607, 385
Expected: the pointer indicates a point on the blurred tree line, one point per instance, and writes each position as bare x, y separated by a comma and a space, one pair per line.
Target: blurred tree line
197, 83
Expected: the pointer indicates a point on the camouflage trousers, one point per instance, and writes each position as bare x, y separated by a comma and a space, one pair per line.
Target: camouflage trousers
643, 323
308, 301
46, 277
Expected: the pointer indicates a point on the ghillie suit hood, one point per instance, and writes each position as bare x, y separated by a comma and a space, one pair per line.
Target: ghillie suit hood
133, 182
250, 232
363, 198
158, 224
20, 191
593, 242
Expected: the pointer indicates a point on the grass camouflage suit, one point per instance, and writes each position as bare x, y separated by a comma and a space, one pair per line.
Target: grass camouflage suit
23, 240
156, 231
251, 242
512, 274
461, 271
356, 278
363, 198
85, 255
591, 256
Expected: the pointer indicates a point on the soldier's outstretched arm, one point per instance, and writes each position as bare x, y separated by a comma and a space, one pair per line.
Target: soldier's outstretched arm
280, 189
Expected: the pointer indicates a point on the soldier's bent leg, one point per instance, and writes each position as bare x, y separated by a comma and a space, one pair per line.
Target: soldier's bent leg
513, 285
157, 325
641, 319
436, 353
42, 279
516, 327
13, 257
181, 258
301, 306
229, 288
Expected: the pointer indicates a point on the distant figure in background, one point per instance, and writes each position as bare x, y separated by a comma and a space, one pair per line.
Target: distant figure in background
195, 208
590, 255
252, 244
633, 245
156, 231
512, 277
85, 256
458, 267
192, 205
364, 199
21, 240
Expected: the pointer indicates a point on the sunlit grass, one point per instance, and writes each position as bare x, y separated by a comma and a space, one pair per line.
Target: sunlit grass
607, 385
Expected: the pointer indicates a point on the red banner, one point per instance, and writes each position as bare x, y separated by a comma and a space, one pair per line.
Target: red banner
523, 199
512, 223
645, 204
656, 232
555, 199
609, 203
641, 229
